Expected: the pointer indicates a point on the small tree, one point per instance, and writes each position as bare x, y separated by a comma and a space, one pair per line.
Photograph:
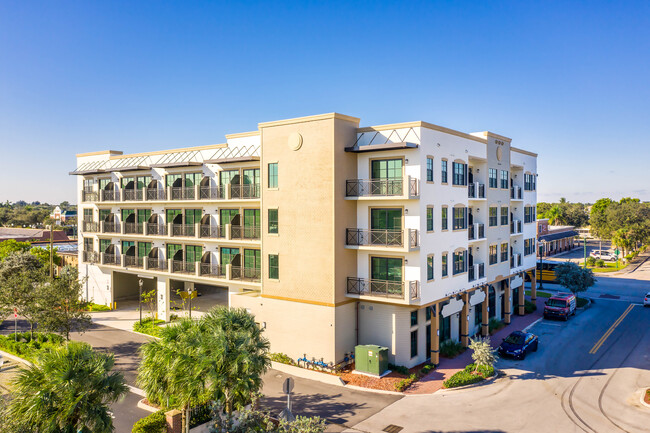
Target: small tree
483, 354
149, 299
574, 278
63, 308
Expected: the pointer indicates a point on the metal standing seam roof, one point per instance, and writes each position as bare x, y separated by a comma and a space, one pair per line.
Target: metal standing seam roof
556, 236
175, 159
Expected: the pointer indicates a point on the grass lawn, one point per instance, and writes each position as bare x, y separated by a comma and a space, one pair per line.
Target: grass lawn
539, 294
148, 326
98, 307
609, 267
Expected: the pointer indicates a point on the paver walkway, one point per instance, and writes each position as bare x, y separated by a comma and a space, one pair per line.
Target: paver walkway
433, 381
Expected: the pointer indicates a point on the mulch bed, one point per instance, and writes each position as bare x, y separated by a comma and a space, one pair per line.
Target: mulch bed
386, 383
647, 396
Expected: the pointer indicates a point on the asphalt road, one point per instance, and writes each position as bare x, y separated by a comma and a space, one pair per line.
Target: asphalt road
572, 384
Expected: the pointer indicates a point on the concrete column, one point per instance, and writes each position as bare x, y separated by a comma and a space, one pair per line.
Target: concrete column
485, 323
507, 304
162, 289
228, 271
464, 328
197, 230
521, 302
435, 334
228, 233
533, 285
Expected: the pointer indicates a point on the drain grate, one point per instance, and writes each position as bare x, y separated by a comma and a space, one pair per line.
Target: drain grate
393, 429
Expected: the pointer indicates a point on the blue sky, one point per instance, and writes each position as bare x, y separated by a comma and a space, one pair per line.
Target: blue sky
569, 80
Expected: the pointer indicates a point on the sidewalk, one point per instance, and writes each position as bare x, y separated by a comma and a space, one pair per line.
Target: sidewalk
433, 381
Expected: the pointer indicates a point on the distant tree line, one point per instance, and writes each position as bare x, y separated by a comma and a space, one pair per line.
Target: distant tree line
23, 214
564, 213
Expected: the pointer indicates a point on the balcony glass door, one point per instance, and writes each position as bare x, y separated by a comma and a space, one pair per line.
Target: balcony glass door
226, 216
386, 275
192, 217
252, 223
386, 177
193, 254
142, 182
386, 226
252, 264
143, 215
226, 257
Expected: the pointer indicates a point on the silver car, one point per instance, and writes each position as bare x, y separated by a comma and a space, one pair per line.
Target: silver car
646, 300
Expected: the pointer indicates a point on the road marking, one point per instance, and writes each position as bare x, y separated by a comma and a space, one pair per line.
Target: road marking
611, 329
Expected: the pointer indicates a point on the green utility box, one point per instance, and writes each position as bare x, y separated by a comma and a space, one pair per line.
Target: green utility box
371, 359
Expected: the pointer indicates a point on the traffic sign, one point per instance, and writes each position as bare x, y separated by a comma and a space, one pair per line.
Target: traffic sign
15, 312
287, 386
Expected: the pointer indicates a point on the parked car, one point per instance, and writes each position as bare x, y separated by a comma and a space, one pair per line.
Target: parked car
561, 306
646, 300
518, 344
603, 254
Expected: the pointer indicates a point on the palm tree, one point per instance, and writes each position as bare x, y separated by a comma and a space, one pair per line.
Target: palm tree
68, 390
220, 357
556, 216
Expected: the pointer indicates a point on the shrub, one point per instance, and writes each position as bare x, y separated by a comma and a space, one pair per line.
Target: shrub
282, 358
462, 378
154, 423
98, 307
529, 307
426, 369
405, 383
148, 326
591, 261
600, 263
484, 370
398, 369
451, 348
24, 346
482, 352
495, 324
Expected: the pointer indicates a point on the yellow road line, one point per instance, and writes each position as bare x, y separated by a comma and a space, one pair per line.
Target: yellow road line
602, 340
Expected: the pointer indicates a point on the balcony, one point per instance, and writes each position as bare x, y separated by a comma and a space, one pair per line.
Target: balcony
390, 290
515, 227
133, 228
90, 257
382, 188
89, 196
181, 267
245, 232
212, 270
476, 271
110, 227
155, 194
515, 260
211, 232
156, 263
132, 194
245, 191
476, 190
133, 261
515, 193
184, 230
212, 193
476, 232
90, 227
246, 274
382, 238
110, 259
109, 195
155, 229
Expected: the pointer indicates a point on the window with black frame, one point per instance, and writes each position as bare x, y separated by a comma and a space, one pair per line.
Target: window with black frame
459, 173
492, 177
492, 216
504, 179
460, 218
460, 262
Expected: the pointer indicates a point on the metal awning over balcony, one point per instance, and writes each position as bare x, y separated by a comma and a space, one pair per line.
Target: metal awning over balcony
381, 147
235, 154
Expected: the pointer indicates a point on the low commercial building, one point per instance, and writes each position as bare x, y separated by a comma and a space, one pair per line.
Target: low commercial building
332, 234
555, 239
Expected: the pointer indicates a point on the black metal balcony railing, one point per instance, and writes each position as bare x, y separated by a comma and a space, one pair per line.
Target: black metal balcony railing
155, 263
182, 193
476, 271
133, 228
109, 195
187, 230
90, 257
379, 187
211, 270
245, 191
111, 227
156, 229
515, 227
376, 237
90, 227
89, 196
470, 274
246, 274
515, 192
476, 190
132, 194
475, 231
112, 259
481, 270
245, 232
133, 261
210, 231
182, 267
383, 288
155, 194
211, 193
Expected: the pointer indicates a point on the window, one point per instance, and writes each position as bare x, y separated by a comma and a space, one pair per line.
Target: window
104, 244
88, 244
386, 169
414, 343
88, 215
273, 221
103, 183
529, 246
274, 267
193, 253
460, 173
493, 254
193, 216
144, 248
88, 185
143, 182
444, 264
172, 251
429, 268
429, 219
273, 175
445, 327
143, 215
504, 215
126, 213
529, 214
478, 314
460, 262
172, 216
492, 176
443, 171
529, 182
227, 255
173, 180
414, 318
445, 219
252, 260
427, 314
127, 183
386, 219
252, 223
492, 220
504, 179
386, 269
504, 252
429, 169
460, 218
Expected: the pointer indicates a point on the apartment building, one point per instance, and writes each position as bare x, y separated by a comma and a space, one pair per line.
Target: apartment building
332, 234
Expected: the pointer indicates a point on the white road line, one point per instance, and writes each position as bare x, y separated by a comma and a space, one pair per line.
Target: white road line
532, 324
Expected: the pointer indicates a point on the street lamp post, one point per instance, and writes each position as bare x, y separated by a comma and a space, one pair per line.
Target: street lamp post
140, 283
541, 265
585, 252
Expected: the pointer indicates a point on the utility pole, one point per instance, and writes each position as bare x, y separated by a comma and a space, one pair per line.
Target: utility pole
585, 253
51, 254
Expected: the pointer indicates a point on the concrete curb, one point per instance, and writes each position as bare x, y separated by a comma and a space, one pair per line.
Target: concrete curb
643, 391
307, 374
495, 376
144, 406
377, 391
15, 358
